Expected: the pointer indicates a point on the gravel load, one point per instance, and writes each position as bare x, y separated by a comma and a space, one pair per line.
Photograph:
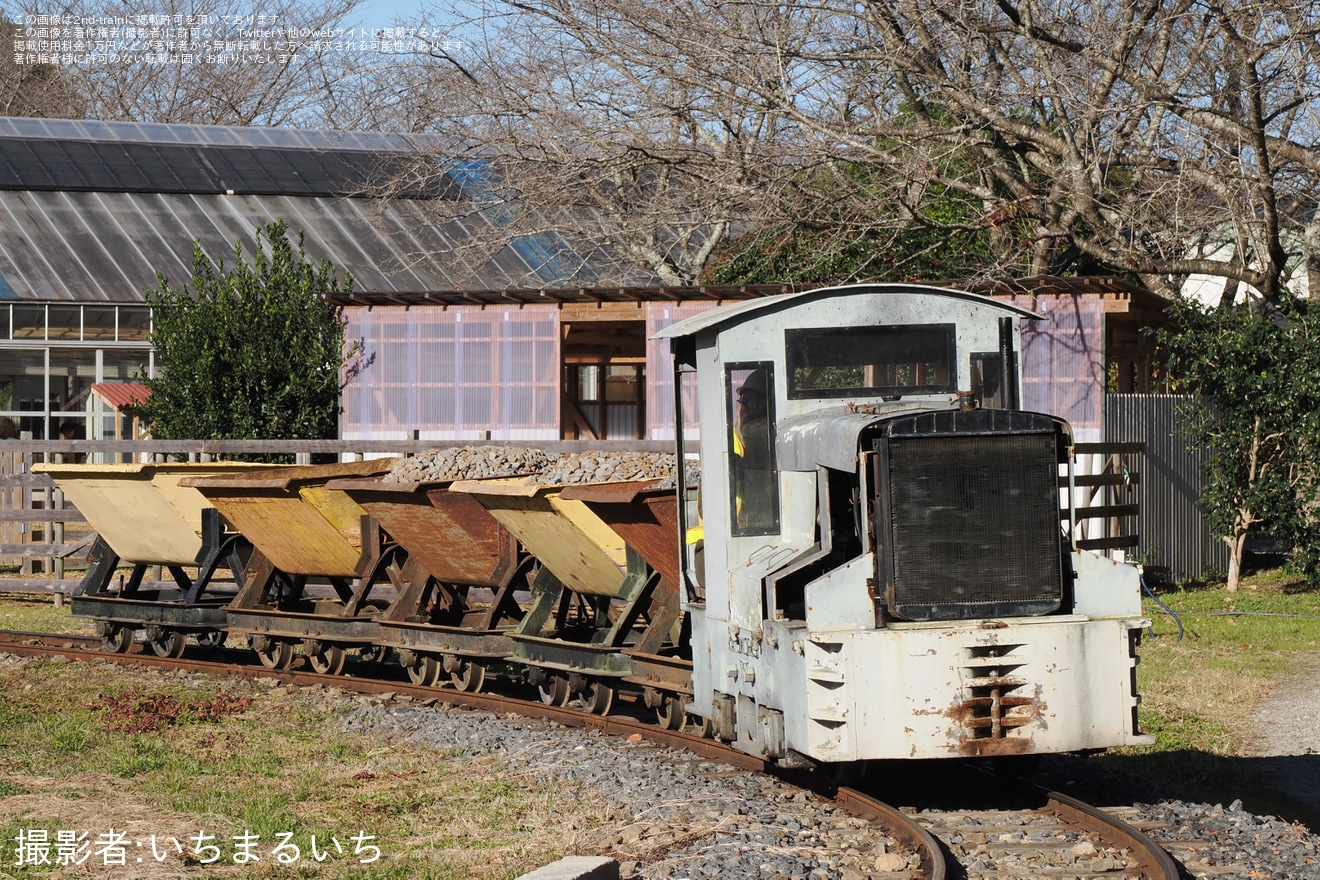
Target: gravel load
605, 467
692, 478
541, 468
469, 463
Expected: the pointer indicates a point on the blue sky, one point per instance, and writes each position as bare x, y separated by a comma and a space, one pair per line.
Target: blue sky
379, 13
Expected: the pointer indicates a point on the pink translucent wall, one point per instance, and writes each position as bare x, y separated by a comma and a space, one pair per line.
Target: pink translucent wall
660, 373
1063, 359
462, 372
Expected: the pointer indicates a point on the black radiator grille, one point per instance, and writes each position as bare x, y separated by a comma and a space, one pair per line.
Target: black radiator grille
975, 526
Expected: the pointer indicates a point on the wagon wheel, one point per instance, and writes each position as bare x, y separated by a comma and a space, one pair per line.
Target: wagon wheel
672, 713
170, 644
118, 639
424, 671
274, 653
597, 698
375, 654
328, 661
212, 638
468, 675
554, 690
698, 726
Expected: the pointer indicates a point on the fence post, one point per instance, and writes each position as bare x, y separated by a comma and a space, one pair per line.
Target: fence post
57, 537
25, 499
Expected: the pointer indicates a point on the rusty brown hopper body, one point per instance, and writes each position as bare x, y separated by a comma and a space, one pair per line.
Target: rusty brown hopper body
146, 512
452, 536
292, 517
645, 517
565, 535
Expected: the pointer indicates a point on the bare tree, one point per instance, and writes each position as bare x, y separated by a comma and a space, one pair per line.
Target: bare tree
1158, 138
32, 89
584, 124
235, 62
1155, 138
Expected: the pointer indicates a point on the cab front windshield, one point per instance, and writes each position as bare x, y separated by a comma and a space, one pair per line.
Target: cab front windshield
886, 361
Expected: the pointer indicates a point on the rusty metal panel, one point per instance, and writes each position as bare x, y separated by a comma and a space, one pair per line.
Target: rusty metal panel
652, 670
565, 535
646, 519
292, 519
451, 534
1172, 531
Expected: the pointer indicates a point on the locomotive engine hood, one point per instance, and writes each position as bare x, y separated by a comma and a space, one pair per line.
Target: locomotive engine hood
834, 439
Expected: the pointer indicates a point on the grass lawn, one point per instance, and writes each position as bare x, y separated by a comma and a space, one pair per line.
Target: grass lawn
25, 612
1200, 692
92, 748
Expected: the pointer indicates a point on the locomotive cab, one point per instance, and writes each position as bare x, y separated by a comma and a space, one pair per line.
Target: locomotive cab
885, 572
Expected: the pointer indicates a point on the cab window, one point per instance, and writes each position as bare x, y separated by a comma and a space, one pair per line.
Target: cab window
888, 361
753, 474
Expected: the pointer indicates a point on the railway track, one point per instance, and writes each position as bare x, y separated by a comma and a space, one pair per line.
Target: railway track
976, 844
1060, 837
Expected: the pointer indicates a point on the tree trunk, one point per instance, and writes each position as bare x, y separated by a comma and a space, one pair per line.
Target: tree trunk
1237, 545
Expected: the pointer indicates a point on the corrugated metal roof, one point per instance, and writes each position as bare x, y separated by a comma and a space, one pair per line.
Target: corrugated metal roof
210, 135
108, 246
72, 166
91, 211
122, 395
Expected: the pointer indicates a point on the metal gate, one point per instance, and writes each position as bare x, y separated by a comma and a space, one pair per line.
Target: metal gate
1173, 537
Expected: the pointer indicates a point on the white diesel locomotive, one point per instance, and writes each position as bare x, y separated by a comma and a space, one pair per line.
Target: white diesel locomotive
886, 569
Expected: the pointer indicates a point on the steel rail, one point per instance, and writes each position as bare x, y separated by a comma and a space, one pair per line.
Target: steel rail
1148, 859
1152, 859
914, 834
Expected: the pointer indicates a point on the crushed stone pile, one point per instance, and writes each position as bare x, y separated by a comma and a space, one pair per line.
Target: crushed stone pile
469, 463
691, 477
604, 467
540, 467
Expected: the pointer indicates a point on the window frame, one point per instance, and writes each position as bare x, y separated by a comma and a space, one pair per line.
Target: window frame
949, 353
746, 368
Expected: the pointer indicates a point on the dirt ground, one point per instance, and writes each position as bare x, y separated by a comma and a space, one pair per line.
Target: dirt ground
1288, 739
